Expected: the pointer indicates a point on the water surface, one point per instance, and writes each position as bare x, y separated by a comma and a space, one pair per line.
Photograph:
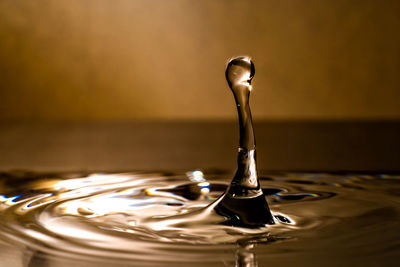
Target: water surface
165, 219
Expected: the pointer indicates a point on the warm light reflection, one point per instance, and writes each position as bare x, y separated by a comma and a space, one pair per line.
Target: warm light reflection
205, 190
252, 179
35, 202
94, 179
204, 187
203, 184
196, 176
7, 201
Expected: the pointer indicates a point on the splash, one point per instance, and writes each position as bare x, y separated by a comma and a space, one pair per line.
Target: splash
244, 203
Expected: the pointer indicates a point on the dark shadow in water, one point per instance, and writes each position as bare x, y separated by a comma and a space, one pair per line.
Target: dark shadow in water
38, 259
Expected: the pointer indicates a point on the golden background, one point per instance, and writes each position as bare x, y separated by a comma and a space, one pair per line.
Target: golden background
147, 59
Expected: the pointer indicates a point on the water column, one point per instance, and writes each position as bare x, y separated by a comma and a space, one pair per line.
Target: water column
244, 203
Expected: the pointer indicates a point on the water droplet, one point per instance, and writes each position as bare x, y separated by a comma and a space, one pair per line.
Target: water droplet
239, 73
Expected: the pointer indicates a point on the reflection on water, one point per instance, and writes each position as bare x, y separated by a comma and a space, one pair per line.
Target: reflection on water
168, 220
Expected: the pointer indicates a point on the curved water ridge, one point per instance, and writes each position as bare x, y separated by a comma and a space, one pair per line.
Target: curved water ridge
134, 216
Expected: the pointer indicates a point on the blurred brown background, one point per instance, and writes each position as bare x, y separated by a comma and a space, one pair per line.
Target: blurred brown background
148, 59
139, 84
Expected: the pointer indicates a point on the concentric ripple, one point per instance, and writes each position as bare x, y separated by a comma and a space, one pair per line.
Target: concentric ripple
134, 216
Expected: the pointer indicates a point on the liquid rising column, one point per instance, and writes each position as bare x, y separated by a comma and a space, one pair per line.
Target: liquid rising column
244, 203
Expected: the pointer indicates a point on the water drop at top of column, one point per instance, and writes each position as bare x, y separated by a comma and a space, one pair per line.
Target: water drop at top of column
239, 73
